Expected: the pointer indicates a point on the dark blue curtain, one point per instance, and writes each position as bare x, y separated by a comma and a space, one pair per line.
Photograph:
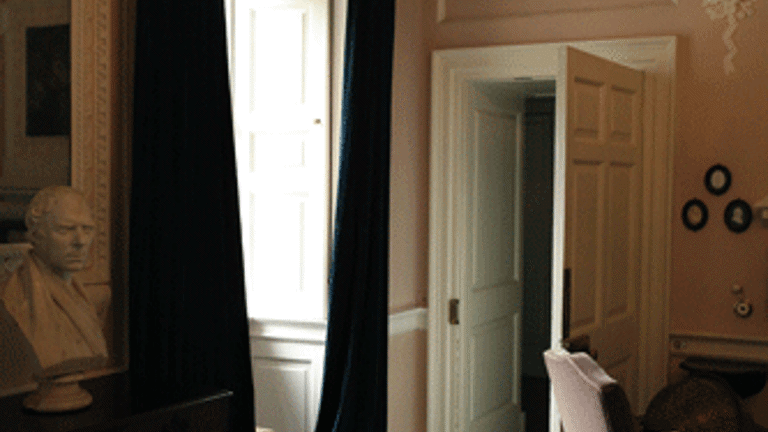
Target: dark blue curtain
354, 394
188, 323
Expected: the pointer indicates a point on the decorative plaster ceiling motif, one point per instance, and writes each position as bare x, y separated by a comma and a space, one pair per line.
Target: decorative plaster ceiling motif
733, 11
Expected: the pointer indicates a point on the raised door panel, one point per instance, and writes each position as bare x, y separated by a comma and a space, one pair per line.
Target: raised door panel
586, 255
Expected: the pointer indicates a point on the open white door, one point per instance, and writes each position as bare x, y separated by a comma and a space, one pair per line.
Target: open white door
487, 208
604, 187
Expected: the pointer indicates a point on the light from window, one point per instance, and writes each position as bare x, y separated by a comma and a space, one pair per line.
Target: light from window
279, 53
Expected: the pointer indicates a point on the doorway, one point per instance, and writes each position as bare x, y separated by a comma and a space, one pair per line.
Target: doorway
449, 351
537, 255
510, 139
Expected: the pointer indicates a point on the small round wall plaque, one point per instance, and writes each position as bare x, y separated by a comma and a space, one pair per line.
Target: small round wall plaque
738, 216
695, 214
717, 180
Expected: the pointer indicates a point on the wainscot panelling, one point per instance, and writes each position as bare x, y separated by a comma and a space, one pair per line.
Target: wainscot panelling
723, 346
287, 360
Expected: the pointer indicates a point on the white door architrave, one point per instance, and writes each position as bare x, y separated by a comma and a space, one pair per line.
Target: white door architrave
453, 71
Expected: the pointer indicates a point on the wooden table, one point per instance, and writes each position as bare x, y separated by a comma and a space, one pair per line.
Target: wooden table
112, 411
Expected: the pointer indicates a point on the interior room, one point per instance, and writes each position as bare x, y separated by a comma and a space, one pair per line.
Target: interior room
713, 269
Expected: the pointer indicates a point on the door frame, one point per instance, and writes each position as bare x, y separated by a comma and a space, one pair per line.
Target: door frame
452, 71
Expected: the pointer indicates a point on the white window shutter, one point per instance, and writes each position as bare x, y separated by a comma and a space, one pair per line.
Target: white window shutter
281, 100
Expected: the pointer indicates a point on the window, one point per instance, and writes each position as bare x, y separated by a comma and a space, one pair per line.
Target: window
279, 62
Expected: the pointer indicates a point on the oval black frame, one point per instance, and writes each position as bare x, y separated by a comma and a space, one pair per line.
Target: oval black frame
708, 176
746, 209
704, 214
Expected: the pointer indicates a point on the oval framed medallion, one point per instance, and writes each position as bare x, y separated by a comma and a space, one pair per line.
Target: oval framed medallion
717, 180
695, 214
738, 215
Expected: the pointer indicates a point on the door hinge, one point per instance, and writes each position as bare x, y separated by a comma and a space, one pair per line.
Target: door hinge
453, 311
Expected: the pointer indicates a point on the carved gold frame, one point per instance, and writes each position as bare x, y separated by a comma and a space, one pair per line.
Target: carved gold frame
102, 64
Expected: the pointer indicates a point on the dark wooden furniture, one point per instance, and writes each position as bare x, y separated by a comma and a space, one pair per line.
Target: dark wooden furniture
112, 411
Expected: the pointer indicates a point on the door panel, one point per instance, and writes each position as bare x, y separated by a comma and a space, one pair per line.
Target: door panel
490, 383
586, 266
603, 198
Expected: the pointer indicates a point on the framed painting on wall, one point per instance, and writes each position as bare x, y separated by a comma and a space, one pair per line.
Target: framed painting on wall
48, 81
35, 111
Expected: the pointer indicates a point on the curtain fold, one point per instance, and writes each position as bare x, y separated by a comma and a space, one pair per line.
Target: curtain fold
354, 396
188, 324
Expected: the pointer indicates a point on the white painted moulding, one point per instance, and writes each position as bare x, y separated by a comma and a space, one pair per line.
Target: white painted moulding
315, 331
407, 321
719, 346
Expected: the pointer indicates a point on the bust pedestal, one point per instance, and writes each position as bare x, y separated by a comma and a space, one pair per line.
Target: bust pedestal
62, 394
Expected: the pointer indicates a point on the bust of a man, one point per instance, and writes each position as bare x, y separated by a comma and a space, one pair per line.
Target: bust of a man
47, 302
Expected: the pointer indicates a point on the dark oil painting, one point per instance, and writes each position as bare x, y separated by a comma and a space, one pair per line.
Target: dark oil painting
48, 81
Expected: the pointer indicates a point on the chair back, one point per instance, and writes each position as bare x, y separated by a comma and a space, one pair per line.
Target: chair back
587, 398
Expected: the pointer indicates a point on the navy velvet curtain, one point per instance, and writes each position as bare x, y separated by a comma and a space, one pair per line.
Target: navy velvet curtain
188, 323
354, 394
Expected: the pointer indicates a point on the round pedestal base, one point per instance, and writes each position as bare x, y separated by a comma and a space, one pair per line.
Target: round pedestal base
59, 395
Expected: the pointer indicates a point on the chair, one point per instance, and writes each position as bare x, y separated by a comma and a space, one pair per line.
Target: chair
587, 398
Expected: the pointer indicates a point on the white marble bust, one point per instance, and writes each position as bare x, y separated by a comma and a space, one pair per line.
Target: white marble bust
50, 306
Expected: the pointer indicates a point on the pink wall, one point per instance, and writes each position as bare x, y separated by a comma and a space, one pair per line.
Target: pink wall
720, 119
410, 160
407, 391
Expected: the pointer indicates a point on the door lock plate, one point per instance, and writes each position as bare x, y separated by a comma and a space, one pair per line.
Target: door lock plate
453, 311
